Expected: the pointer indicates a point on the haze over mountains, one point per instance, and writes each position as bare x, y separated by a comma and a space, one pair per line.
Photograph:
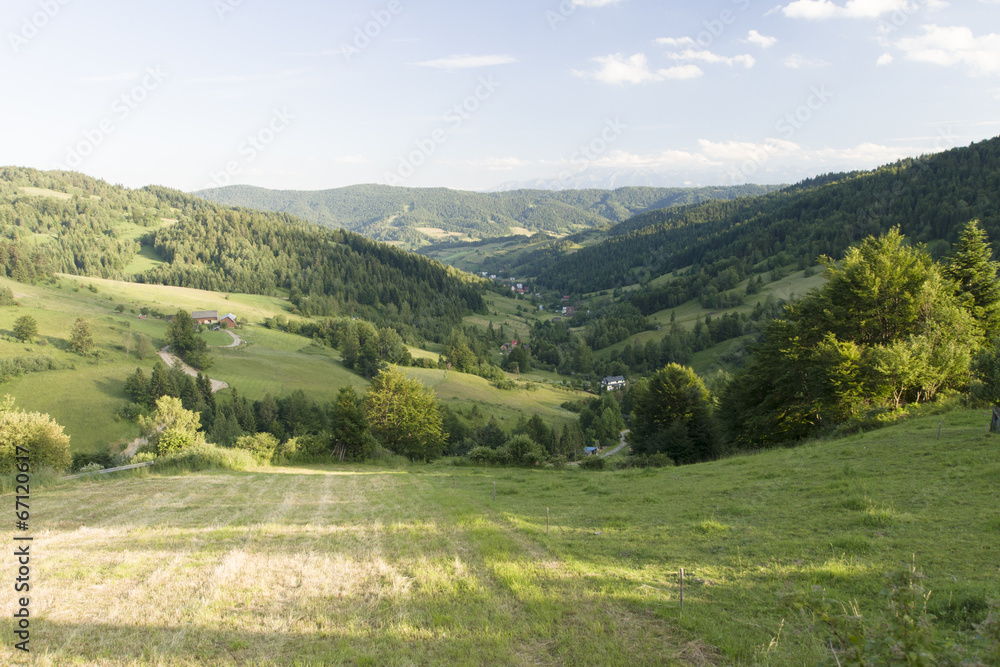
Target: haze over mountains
416, 216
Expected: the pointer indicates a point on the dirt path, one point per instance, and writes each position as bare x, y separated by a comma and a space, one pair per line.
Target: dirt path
237, 341
170, 359
607, 454
616, 449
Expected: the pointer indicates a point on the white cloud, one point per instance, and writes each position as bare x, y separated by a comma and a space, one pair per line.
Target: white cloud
618, 69
713, 58
795, 61
763, 41
678, 42
681, 72
955, 45
818, 10
866, 155
468, 62
884, 59
739, 151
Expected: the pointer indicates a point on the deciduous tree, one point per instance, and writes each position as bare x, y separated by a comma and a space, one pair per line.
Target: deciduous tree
404, 416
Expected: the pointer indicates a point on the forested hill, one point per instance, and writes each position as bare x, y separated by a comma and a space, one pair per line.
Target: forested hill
416, 216
70, 223
929, 198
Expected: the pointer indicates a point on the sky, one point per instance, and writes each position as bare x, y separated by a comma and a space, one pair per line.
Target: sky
309, 95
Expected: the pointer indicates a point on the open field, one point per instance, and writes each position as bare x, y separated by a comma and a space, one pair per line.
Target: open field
86, 392
505, 311
463, 391
795, 285
361, 565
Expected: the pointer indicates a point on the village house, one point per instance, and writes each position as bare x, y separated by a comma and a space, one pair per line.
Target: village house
205, 316
611, 383
228, 321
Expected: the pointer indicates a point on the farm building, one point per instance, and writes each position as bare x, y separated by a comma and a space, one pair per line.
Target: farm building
228, 321
205, 316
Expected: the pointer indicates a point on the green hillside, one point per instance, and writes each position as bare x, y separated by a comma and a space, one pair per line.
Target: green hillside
70, 223
417, 216
362, 565
85, 393
929, 198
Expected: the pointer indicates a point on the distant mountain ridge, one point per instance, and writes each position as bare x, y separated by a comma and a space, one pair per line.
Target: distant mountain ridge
929, 198
413, 217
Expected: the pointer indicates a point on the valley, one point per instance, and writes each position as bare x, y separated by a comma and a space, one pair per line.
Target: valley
409, 445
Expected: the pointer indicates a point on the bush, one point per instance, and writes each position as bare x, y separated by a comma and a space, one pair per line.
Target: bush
261, 445
489, 456
594, 462
130, 412
82, 460
91, 467
48, 446
206, 457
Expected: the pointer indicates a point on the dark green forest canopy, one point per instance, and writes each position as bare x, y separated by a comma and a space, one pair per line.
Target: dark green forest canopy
389, 213
82, 226
928, 198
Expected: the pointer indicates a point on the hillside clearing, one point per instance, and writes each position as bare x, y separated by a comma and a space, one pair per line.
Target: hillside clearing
357, 564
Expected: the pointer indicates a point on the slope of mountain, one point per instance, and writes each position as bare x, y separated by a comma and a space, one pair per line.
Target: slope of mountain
417, 216
69, 223
929, 198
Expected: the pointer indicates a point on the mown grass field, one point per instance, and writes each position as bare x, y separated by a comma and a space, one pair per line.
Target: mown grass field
370, 566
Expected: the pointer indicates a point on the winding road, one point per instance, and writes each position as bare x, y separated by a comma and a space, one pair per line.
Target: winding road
607, 454
171, 359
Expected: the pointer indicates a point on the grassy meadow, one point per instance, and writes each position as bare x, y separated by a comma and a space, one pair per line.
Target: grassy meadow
86, 392
419, 565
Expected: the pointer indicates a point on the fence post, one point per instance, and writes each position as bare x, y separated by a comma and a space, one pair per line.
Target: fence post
940, 422
682, 590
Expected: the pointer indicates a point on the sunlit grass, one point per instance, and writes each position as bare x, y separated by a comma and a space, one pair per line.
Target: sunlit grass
419, 565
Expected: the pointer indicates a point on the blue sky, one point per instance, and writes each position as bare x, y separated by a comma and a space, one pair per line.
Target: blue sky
310, 95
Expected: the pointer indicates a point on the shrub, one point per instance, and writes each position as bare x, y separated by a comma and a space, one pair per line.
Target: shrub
91, 467
39, 433
593, 463
261, 445
82, 460
130, 412
489, 456
206, 457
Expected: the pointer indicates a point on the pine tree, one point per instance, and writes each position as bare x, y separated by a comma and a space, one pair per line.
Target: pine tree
80, 340
25, 328
974, 272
